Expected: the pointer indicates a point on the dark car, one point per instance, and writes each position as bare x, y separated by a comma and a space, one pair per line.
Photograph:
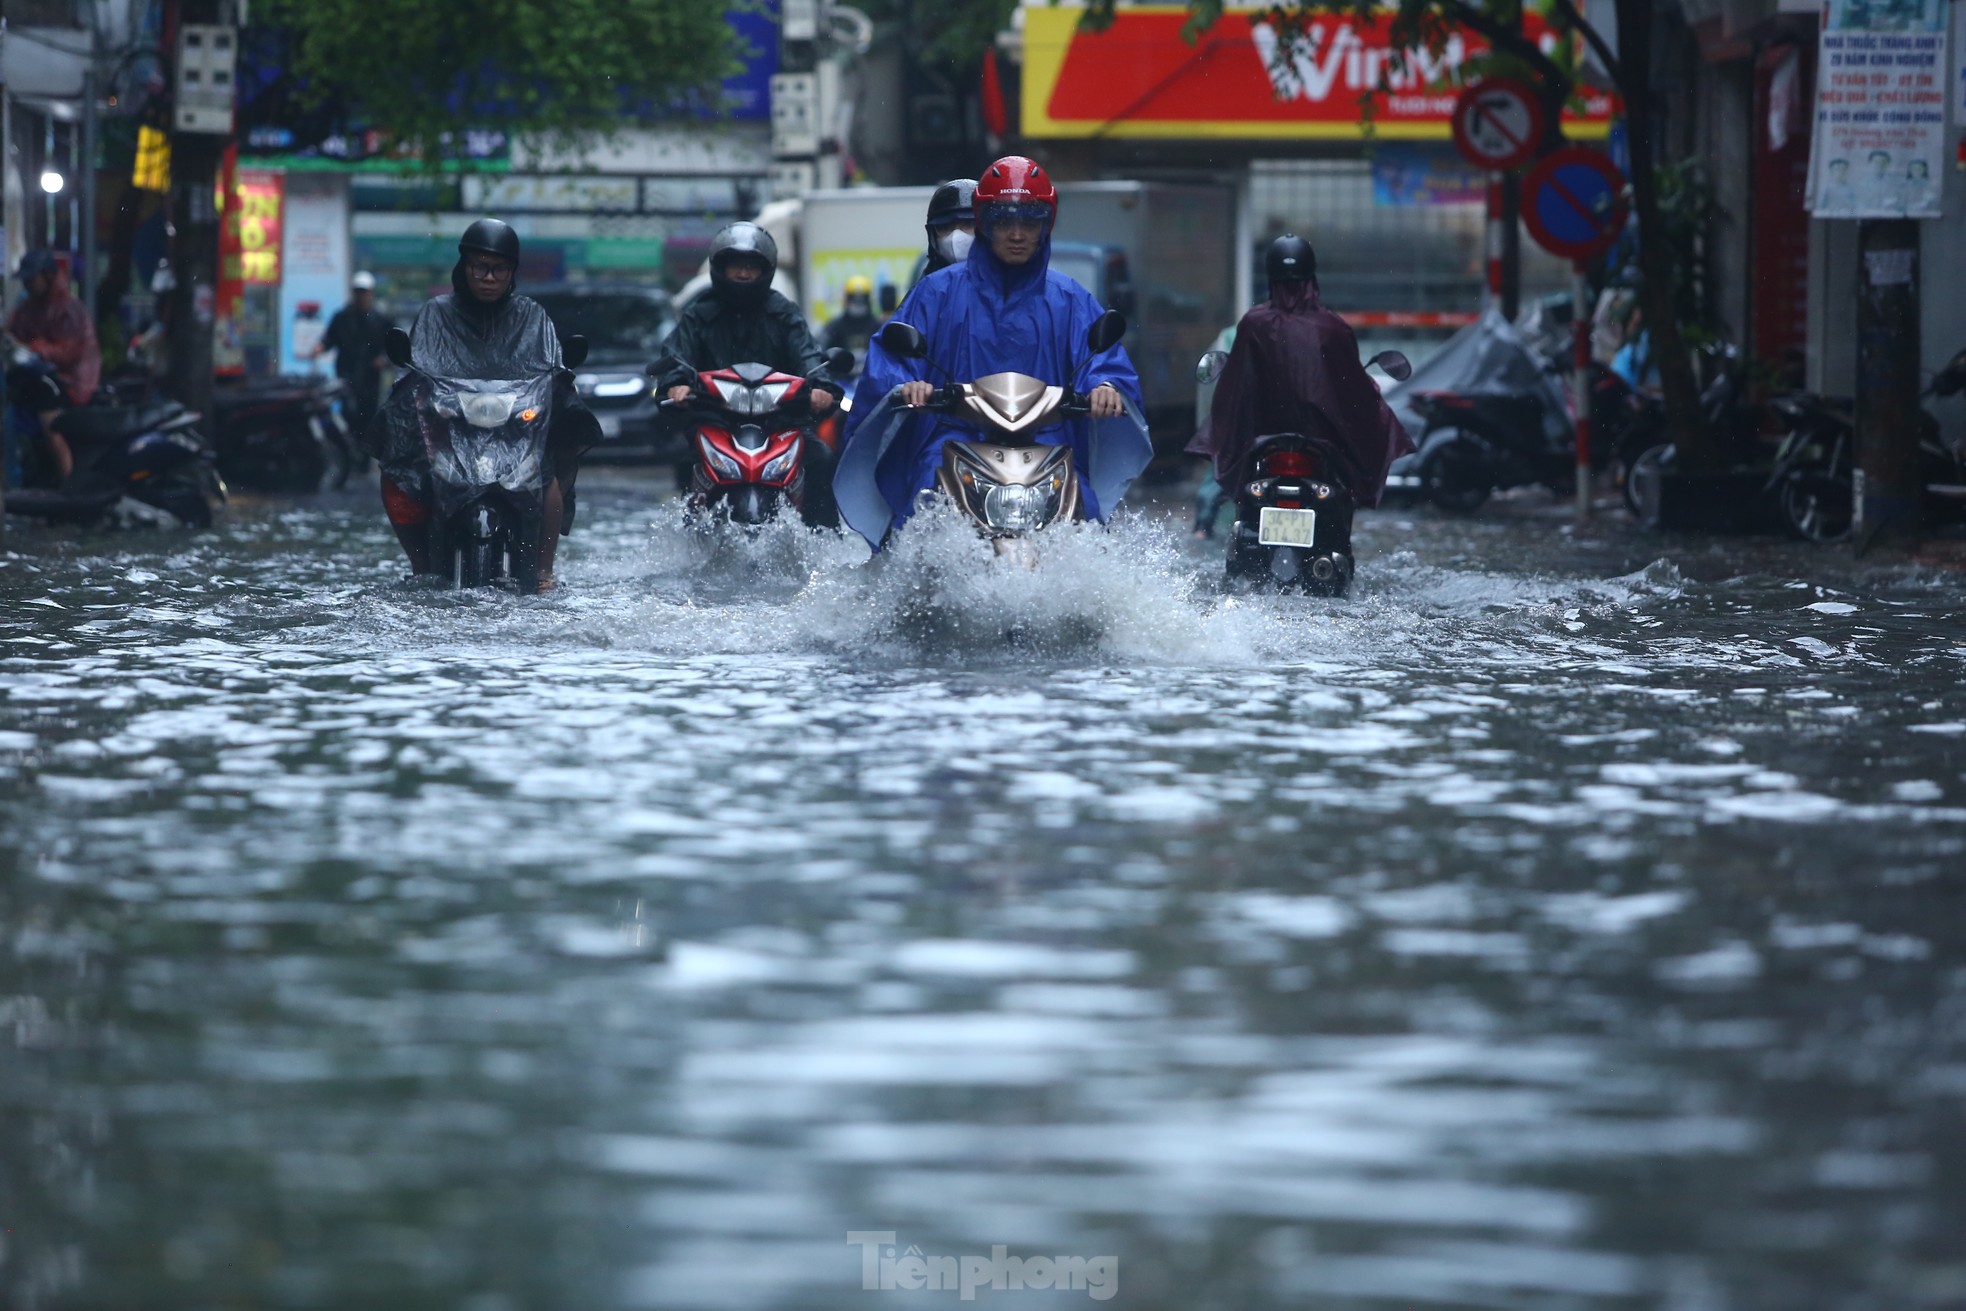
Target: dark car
625, 327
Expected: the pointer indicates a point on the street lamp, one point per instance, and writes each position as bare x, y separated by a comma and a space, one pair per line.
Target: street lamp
52, 182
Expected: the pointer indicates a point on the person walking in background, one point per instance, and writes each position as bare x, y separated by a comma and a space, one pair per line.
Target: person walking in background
355, 336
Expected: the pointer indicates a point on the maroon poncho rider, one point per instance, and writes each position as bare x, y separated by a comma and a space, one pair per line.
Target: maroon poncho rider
1295, 368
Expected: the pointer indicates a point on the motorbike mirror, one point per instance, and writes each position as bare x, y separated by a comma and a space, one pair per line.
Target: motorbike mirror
839, 362
396, 345
1209, 367
902, 341
1394, 364
573, 351
1106, 331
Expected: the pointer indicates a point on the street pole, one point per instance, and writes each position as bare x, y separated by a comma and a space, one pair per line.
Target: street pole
1885, 497
195, 158
86, 290
1511, 245
1580, 383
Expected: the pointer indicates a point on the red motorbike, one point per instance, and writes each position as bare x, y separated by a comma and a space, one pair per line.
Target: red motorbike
757, 447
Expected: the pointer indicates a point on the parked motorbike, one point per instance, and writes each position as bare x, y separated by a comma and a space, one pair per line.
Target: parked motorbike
1293, 525
1009, 484
1732, 417
757, 447
151, 453
1815, 466
486, 440
284, 435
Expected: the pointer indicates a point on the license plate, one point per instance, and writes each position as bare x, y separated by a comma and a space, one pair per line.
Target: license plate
1276, 527
610, 425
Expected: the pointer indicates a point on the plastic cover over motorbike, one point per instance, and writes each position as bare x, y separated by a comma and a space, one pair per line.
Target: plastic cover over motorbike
483, 433
1112, 453
512, 342
1486, 358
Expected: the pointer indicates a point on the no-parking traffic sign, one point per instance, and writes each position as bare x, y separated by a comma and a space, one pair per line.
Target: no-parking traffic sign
1498, 124
1573, 203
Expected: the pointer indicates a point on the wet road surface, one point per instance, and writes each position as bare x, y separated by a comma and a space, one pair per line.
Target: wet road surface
1558, 922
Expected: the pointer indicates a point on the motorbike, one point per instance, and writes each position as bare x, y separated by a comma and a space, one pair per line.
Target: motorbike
757, 447
1815, 466
486, 441
150, 453
1293, 526
1732, 417
284, 435
1000, 475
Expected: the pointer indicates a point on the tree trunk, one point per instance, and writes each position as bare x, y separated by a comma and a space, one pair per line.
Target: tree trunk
1694, 443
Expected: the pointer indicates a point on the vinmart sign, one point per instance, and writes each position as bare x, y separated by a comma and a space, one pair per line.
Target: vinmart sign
1138, 78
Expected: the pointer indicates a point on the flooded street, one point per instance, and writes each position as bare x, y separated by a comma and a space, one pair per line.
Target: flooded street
1557, 922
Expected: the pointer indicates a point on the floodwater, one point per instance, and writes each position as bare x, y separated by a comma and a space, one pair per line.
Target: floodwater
1560, 922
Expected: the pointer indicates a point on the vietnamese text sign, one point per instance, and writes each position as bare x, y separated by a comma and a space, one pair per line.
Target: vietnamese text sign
254, 217
1244, 78
1880, 110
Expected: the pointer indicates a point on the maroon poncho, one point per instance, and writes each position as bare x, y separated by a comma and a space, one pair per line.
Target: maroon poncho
1295, 368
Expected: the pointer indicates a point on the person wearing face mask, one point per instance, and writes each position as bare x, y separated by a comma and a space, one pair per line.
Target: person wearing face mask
856, 321
951, 224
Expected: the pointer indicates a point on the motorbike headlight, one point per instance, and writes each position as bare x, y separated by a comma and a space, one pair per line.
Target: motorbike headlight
486, 409
780, 467
720, 464
1017, 509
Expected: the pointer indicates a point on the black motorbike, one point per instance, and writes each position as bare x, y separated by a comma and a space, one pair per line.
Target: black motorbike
1733, 419
486, 442
1293, 525
1814, 478
283, 434
149, 453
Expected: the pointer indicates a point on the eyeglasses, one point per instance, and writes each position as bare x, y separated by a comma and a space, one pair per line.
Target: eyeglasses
489, 270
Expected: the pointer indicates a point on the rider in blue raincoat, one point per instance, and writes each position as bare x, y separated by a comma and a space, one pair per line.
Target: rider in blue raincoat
1000, 310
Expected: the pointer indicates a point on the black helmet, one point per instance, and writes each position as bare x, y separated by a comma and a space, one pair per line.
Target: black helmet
1291, 259
953, 201
733, 241
488, 236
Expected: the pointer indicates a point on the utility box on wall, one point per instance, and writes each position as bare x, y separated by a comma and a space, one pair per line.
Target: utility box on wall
207, 57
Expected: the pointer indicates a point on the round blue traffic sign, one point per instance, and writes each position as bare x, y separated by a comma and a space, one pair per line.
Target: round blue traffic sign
1573, 203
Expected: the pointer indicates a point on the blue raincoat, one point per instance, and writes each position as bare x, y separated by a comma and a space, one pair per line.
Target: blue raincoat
982, 317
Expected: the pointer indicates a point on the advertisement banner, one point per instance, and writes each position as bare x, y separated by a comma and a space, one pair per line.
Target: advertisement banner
1138, 78
1415, 173
255, 217
314, 265
1880, 110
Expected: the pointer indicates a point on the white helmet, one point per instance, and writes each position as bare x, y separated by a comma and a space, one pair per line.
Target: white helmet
363, 281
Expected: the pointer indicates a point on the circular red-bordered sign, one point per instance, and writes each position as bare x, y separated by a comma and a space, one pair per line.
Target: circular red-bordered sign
1573, 203
1498, 124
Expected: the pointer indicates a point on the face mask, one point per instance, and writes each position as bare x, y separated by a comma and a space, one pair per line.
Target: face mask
954, 245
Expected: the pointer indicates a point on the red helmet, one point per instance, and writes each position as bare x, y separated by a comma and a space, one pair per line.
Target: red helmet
1016, 180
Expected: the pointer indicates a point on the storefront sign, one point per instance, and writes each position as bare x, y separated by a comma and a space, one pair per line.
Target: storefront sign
1422, 173
258, 200
1880, 110
1138, 78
